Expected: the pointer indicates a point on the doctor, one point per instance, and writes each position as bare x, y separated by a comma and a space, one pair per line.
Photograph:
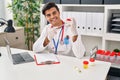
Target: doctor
59, 37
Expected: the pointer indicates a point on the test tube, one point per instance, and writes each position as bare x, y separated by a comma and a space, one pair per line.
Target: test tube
100, 54
106, 56
112, 57
118, 58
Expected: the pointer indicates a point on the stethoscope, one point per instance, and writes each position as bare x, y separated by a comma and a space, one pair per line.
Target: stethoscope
61, 41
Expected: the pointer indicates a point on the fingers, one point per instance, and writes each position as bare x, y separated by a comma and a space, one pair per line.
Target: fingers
51, 33
70, 22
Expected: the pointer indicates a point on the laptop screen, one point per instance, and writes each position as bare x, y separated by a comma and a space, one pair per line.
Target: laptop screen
18, 58
8, 48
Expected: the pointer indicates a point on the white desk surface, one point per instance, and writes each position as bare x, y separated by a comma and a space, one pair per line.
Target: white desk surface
63, 71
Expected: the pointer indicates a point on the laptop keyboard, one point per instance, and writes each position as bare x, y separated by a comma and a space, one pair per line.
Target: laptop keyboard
27, 57
17, 58
22, 58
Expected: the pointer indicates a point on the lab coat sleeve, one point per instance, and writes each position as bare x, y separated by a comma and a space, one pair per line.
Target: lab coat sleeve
38, 45
78, 47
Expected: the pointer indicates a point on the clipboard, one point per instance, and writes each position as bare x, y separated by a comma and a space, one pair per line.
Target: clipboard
46, 58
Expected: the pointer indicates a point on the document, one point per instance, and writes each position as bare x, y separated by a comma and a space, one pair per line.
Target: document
46, 58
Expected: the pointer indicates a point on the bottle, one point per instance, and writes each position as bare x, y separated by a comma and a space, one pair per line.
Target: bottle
92, 61
85, 64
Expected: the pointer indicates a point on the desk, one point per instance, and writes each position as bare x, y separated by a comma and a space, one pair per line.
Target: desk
63, 71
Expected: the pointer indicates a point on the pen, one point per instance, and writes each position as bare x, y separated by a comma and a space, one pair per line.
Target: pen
48, 62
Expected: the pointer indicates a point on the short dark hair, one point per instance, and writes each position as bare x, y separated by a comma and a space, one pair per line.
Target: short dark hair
48, 6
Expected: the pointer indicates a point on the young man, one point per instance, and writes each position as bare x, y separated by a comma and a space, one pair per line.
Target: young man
59, 37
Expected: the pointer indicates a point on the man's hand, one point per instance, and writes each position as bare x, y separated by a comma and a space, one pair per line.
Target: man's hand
51, 33
72, 24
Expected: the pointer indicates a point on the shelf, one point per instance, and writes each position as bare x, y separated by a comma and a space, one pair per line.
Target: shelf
115, 65
112, 37
111, 45
92, 35
90, 42
83, 8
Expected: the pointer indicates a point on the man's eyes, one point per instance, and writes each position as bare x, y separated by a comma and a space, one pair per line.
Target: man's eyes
48, 15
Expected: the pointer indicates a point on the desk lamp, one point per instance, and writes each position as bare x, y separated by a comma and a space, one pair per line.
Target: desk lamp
9, 27
9, 24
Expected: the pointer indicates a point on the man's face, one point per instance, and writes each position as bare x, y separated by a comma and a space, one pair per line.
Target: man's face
53, 16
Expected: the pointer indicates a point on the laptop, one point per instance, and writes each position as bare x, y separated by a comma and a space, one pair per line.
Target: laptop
18, 58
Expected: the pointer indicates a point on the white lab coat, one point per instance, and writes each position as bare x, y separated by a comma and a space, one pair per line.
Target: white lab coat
75, 49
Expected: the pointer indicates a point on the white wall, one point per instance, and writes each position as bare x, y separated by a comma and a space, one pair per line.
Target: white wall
2, 9
5, 12
8, 12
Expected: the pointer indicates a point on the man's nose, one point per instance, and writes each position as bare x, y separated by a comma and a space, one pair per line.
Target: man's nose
52, 16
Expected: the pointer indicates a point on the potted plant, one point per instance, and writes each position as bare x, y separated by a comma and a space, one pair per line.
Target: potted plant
26, 13
116, 50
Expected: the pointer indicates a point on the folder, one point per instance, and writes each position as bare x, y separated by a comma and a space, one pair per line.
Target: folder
98, 23
46, 58
75, 15
81, 21
89, 24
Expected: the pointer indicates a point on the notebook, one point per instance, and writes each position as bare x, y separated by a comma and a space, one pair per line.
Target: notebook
18, 58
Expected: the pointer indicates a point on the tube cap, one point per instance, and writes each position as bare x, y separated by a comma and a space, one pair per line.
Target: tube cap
85, 62
92, 60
